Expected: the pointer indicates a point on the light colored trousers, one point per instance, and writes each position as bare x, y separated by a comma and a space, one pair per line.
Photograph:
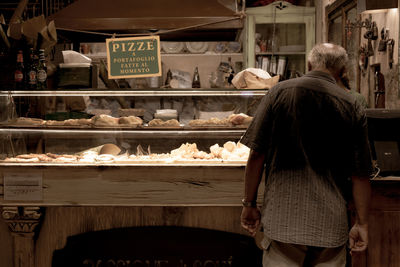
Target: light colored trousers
278, 254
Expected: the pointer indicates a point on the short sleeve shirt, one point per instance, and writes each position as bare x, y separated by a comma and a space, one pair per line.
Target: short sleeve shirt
314, 137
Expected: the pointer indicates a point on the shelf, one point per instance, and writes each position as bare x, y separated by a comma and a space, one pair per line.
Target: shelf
146, 92
213, 54
138, 133
201, 54
280, 53
201, 164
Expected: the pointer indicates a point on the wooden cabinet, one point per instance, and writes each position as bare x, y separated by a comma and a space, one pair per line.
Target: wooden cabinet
384, 221
280, 30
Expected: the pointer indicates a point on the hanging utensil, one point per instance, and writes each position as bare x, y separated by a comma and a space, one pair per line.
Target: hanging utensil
390, 45
383, 40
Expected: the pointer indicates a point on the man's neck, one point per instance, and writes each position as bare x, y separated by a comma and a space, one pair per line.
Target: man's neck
328, 72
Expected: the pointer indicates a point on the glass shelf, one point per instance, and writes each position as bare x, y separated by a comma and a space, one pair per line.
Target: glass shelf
137, 133
144, 92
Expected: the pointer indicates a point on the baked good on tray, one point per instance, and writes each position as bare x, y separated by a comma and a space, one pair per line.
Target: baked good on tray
130, 121
28, 121
240, 119
162, 123
105, 120
210, 122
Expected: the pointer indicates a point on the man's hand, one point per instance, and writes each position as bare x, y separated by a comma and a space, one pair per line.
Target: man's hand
250, 219
358, 238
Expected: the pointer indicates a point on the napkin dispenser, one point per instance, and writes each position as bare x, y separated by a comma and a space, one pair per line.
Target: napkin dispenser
77, 71
79, 75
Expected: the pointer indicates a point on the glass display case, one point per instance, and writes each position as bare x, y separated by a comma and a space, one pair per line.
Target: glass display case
148, 126
280, 35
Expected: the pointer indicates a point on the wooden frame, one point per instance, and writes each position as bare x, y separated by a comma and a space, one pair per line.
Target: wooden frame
335, 10
338, 9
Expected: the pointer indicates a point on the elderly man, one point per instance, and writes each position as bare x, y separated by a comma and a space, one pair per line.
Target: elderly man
310, 136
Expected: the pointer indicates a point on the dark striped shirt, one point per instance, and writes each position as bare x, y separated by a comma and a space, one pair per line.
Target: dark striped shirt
314, 137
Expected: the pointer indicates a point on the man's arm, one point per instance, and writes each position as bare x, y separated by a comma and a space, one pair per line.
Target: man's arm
358, 235
250, 218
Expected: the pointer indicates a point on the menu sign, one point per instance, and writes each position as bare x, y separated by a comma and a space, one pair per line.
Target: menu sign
133, 57
23, 186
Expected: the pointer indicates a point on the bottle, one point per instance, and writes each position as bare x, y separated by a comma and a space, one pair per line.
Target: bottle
19, 72
41, 71
168, 79
32, 70
196, 79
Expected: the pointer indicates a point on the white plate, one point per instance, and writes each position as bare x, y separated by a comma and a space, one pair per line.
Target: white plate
172, 47
197, 47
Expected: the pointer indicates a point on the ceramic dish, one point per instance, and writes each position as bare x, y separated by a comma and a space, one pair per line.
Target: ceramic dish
234, 47
172, 47
197, 47
220, 47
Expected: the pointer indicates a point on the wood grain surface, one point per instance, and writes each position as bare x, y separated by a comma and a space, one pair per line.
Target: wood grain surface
136, 185
61, 222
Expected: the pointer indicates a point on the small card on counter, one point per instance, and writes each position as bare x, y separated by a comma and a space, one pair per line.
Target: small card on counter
23, 186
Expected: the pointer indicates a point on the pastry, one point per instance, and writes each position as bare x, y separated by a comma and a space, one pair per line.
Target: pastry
29, 121
240, 119
54, 123
216, 150
71, 122
156, 122
209, 122
202, 155
130, 120
85, 122
172, 123
105, 120
110, 149
230, 146
161, 123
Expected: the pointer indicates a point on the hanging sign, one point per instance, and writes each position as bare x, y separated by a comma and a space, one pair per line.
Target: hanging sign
133, 57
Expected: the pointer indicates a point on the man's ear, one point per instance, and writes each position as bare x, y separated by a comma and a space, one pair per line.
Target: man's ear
342, 71
309, 67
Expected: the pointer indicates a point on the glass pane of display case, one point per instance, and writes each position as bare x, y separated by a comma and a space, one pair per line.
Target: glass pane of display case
352, 47
335, 31
135, 129
281, 48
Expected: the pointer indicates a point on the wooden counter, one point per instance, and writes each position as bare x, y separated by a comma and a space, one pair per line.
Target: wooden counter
78, 199
384, 225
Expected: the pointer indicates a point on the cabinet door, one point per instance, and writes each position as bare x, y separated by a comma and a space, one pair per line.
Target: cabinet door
285, 31
280, 48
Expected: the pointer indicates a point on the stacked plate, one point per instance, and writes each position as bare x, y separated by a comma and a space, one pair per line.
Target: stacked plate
197, 47
172, 47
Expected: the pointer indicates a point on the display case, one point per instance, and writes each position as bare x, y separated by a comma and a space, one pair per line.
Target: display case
280, 35
97, 154
153, 126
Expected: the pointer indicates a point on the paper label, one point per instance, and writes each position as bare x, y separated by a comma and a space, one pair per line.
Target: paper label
23, 186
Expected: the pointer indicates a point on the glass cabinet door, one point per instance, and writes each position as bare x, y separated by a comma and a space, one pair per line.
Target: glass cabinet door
280, 48
279, 36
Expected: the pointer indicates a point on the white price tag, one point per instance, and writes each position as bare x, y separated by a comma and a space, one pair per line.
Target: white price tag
23, 186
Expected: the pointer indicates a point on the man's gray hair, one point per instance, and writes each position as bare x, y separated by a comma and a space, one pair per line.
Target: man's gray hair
328, 56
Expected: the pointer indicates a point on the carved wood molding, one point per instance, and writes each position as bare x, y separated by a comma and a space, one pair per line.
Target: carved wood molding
21, 219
